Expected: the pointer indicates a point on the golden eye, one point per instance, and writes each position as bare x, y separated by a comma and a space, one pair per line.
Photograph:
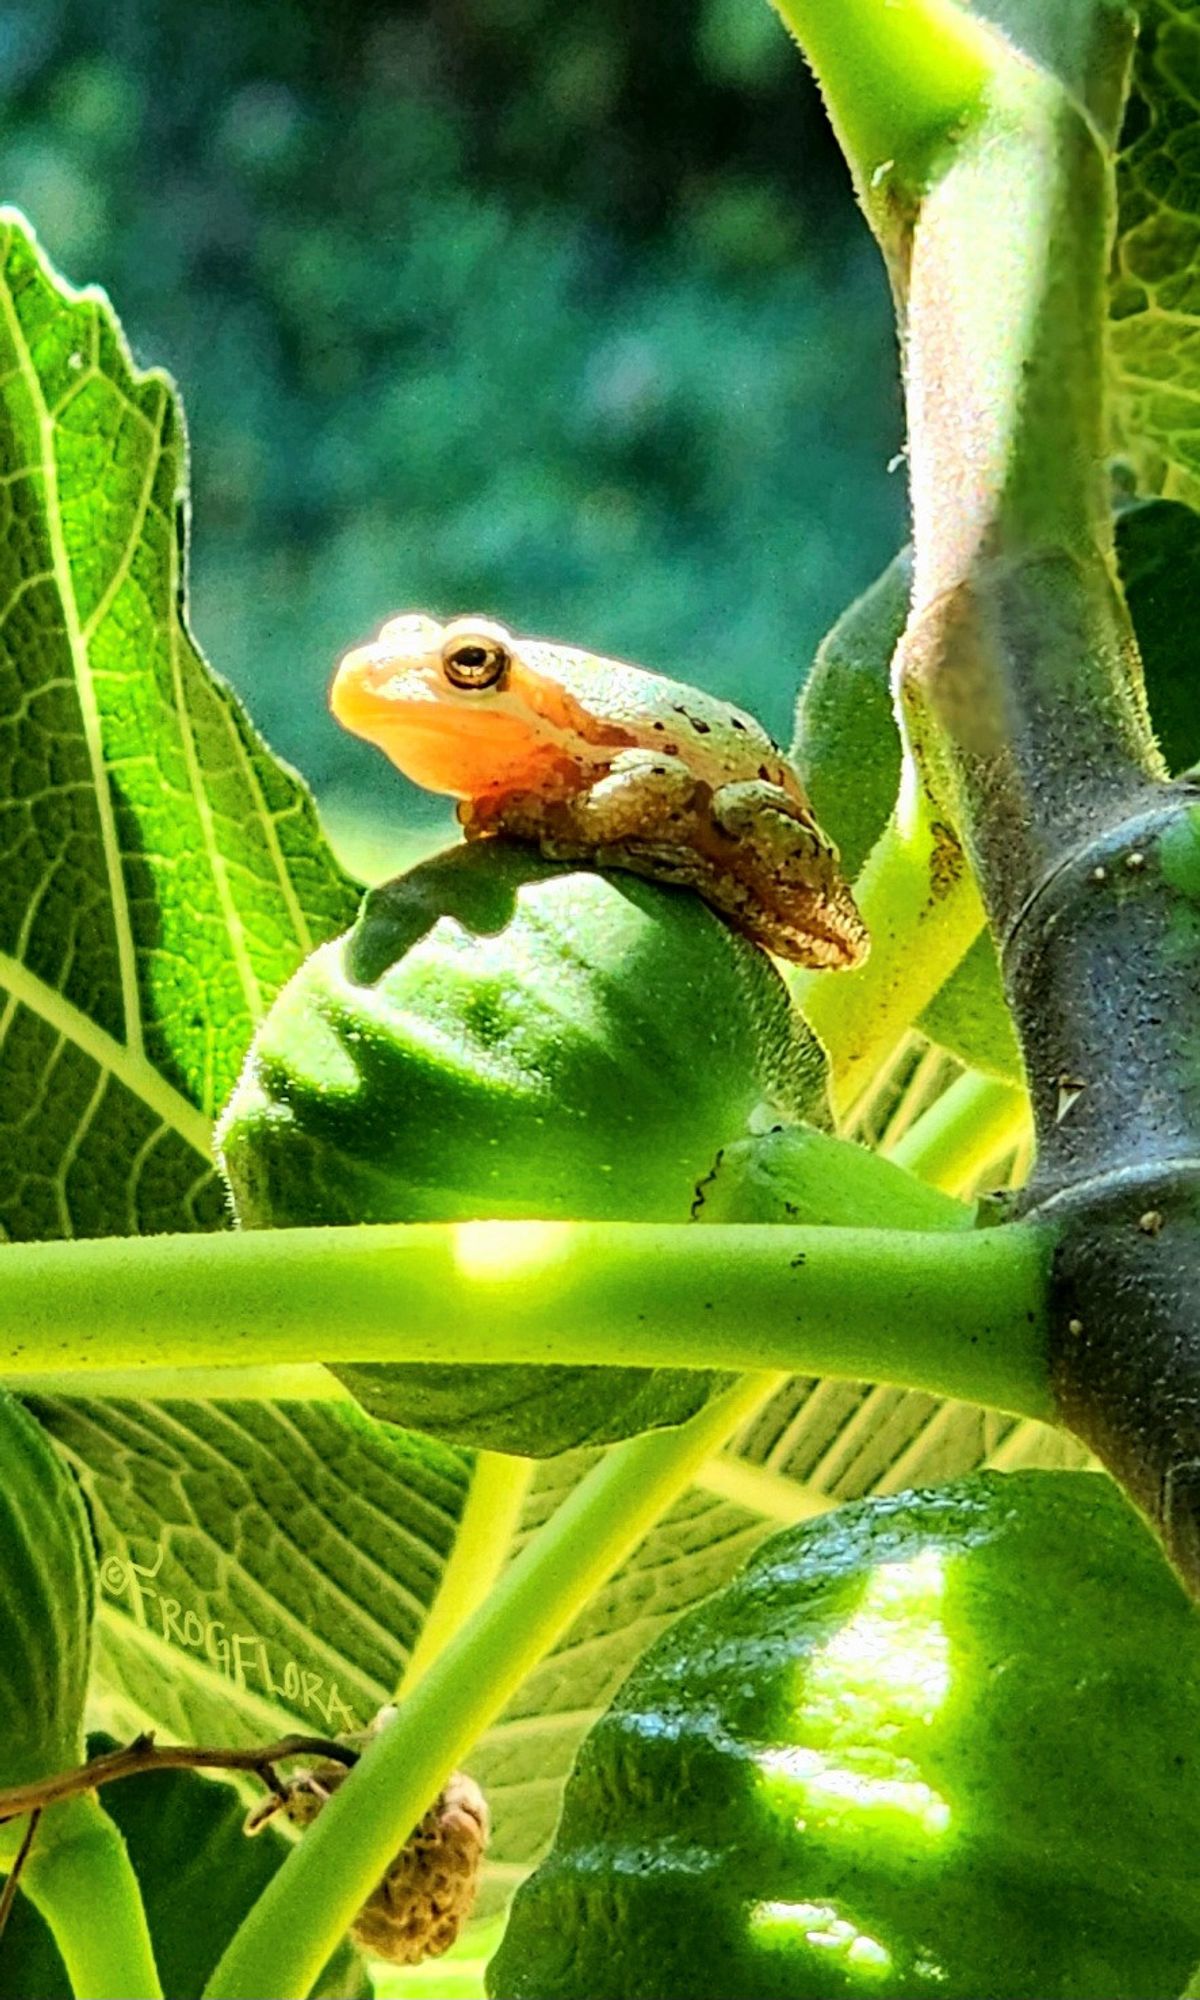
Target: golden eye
475, 659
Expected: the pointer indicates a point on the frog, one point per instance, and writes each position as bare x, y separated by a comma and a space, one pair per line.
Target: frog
595, 760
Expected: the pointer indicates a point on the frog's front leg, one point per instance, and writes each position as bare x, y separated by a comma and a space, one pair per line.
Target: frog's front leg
641, 796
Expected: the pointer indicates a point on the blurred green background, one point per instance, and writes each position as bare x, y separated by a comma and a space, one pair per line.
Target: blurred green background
561, 314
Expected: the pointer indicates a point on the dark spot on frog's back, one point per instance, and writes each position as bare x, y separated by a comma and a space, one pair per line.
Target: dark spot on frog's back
695, 722
735, 722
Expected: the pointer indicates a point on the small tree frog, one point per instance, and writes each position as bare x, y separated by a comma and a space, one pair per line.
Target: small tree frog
592, 759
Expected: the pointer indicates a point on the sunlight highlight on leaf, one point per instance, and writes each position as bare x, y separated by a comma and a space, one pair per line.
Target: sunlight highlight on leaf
820, 1925
896, 1645
892, 1656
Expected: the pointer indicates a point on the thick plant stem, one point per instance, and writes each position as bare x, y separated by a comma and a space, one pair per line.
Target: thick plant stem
1021, 685
959, 1314
968, 1127
80, 1878
308, 1905
1022, 698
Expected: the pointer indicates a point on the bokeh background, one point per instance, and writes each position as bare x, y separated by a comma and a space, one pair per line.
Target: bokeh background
564, 314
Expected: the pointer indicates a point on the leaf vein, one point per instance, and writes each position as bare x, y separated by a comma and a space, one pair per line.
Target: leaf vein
130, 1068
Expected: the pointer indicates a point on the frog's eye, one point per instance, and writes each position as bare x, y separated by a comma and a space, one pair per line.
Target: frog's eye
475, 660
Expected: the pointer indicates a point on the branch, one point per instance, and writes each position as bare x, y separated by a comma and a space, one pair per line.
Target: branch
8, 1895
1023, 702
143, 1754
957, 1314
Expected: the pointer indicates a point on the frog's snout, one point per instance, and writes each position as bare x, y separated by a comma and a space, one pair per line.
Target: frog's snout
368, 679
357, 696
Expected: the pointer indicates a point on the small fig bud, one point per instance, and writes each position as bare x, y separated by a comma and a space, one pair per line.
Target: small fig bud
419, 1907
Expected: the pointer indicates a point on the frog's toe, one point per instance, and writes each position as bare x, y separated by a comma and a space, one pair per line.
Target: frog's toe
828, 934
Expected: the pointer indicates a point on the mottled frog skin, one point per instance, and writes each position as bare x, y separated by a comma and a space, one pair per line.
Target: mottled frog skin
595, 760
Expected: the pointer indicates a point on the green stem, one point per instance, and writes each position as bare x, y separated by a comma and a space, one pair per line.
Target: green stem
898, 75
307, 1382
956, 1314
922, 908
963, 1131
486, 1531
308, 1905
80, 1878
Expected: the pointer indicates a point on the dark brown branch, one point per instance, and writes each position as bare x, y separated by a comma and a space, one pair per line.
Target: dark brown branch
143, 1754
8, 1895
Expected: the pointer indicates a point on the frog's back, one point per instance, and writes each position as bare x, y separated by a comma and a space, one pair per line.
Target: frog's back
661, 713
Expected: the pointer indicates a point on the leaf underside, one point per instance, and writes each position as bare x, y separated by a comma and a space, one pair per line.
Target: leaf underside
1155, 291
266, 1567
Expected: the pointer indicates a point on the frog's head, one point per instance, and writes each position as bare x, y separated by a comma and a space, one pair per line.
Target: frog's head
444, 701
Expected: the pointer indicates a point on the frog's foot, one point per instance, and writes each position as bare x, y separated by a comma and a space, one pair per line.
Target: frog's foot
826, 932
802, 908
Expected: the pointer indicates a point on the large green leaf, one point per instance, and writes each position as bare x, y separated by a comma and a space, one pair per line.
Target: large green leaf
262, 1565
266, 1567
160, 873
1155, 298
